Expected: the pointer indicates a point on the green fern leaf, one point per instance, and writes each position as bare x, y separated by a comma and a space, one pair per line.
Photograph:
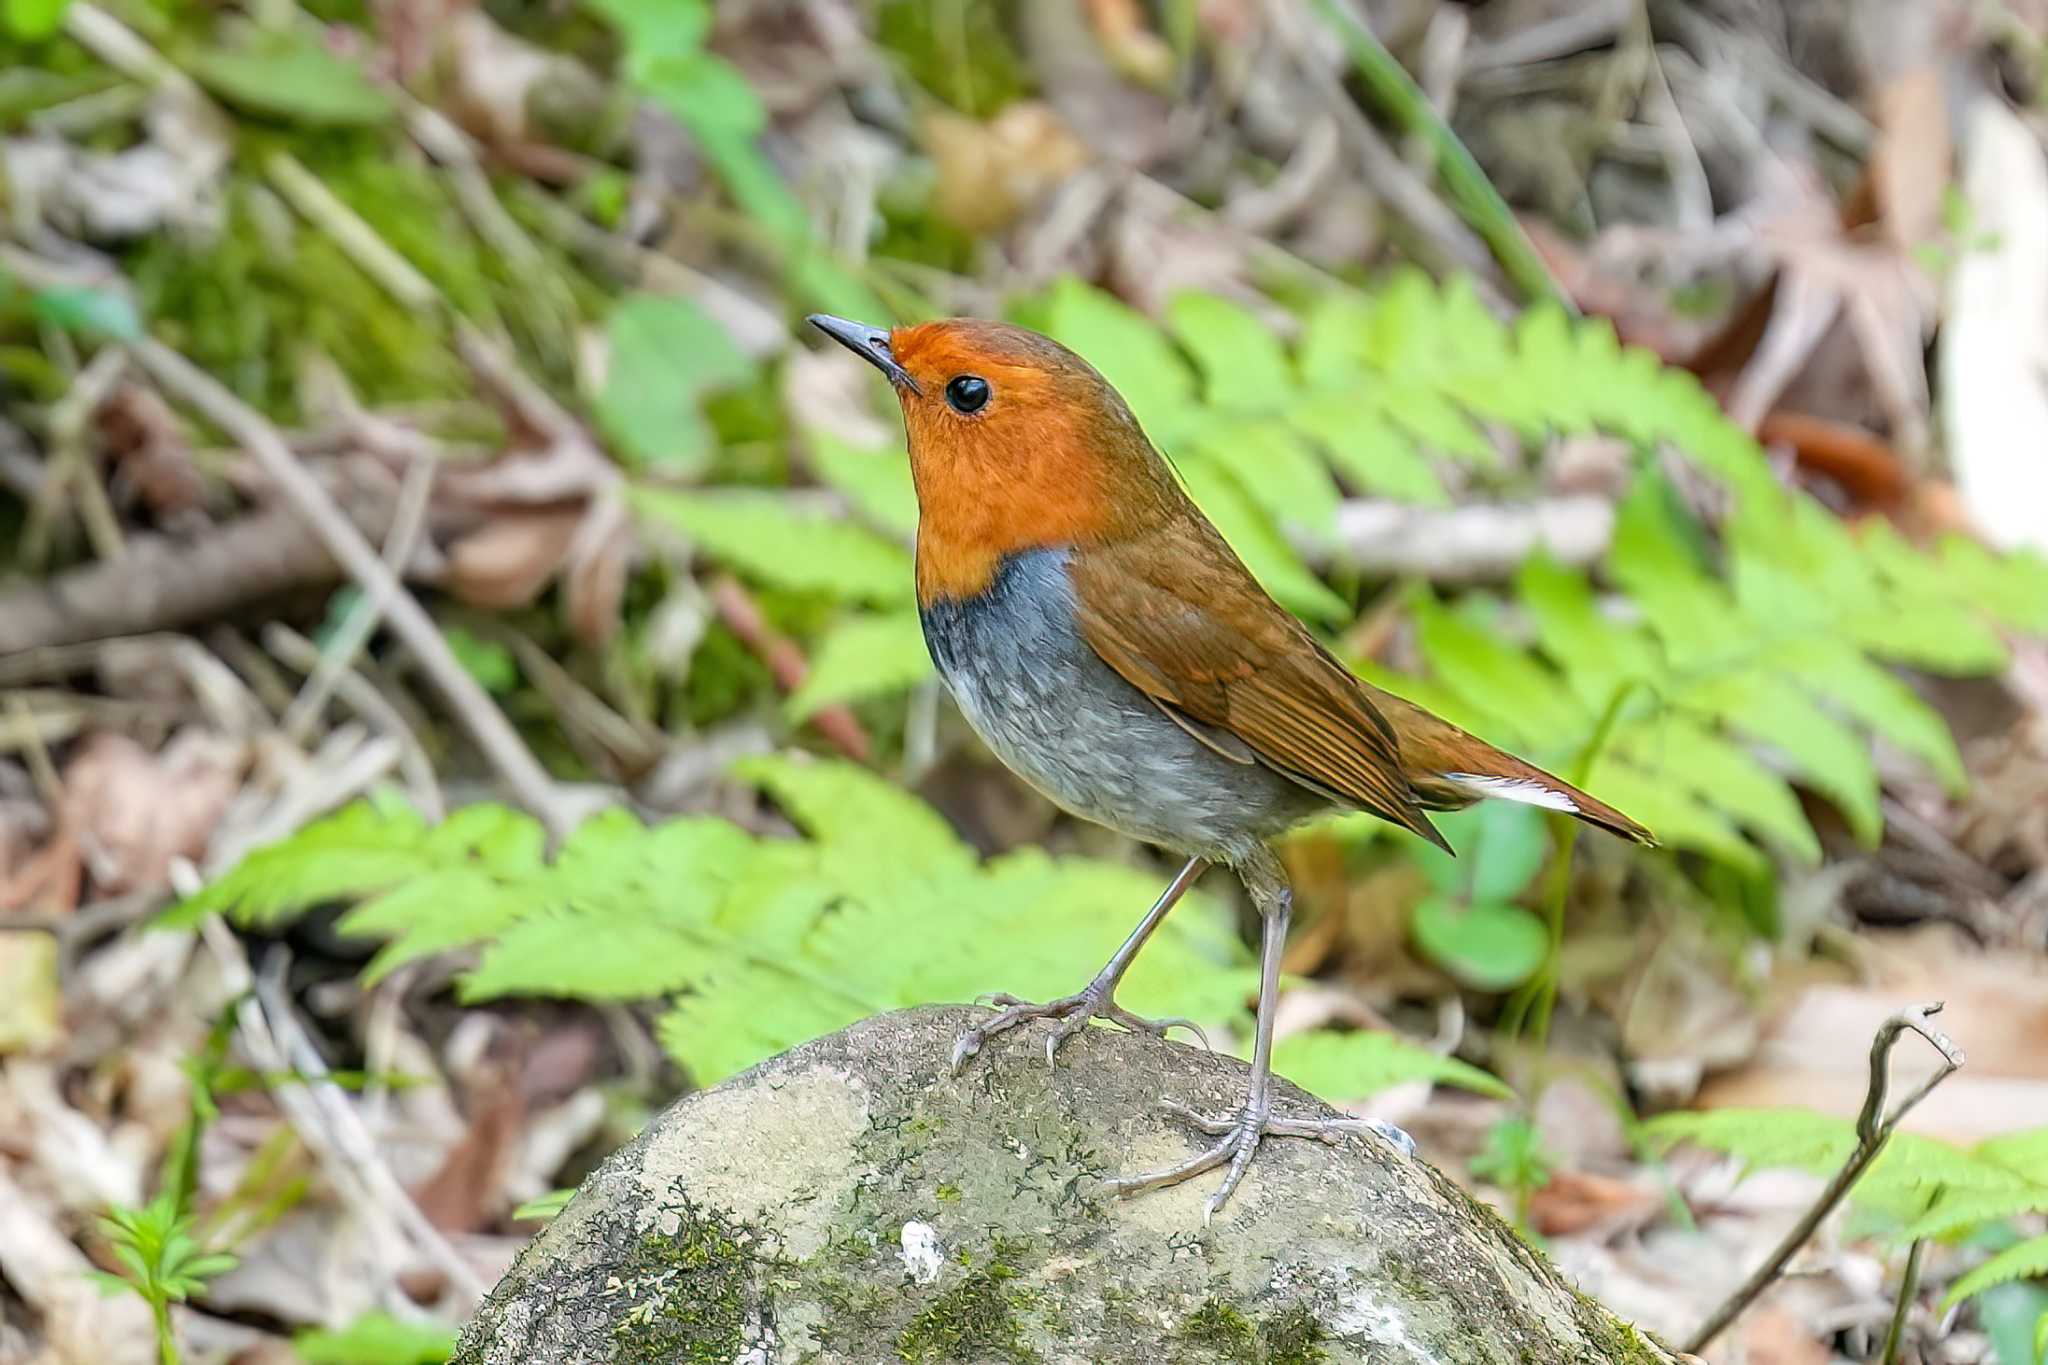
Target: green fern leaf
876, 482
772, 539
1722, 774
2026, 1261
873, 836
361, 849
863, 656
1362, 1063
1243, 365
1130, 351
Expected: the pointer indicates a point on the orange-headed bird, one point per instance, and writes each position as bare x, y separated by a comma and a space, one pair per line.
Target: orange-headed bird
1112, 650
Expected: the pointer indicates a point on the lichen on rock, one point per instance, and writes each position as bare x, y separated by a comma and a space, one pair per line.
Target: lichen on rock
852, 1201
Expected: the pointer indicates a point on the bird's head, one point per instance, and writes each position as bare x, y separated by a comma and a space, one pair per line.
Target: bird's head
1016, 443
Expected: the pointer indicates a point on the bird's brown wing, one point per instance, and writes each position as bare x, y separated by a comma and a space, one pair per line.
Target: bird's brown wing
1215, 652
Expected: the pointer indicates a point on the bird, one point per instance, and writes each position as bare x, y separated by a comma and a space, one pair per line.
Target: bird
1108, 646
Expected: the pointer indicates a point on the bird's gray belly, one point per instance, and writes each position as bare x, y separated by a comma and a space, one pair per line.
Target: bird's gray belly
1063, 720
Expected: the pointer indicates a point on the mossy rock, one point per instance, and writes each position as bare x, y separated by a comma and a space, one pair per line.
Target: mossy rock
853, 1201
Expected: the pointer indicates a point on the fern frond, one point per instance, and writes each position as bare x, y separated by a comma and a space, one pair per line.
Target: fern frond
1361, 1063
1911, 1181
2026, 1261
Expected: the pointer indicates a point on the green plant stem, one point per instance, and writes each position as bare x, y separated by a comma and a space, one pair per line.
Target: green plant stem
166, 1339
1538, 997
1909, 1284
1401, 100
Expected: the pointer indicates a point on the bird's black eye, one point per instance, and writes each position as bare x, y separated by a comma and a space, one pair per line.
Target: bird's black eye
967, 393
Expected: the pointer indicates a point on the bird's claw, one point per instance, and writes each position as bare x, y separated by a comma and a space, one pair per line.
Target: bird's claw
1241, 1133
1073, 1012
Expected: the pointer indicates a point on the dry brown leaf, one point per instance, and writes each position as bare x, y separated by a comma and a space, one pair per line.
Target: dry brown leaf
133, 812
1815, 1049
1773, 1336
48, 880
990, 174
1575, 1202
467, 1191
513, 558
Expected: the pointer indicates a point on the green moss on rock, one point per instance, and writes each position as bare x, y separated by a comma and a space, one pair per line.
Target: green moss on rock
693, 1290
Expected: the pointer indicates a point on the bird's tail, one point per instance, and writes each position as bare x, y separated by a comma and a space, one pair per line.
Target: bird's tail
1449, 769
1510, 779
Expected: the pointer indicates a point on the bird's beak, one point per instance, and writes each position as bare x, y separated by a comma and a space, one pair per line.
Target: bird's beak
869, 343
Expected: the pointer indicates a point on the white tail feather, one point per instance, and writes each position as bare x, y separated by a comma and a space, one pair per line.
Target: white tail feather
1525, 790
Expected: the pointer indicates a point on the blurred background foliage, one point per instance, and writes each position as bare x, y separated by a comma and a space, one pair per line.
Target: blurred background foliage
1637, 473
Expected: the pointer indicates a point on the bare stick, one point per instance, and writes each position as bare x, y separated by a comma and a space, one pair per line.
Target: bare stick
531, 786
1874, 1128
355, 630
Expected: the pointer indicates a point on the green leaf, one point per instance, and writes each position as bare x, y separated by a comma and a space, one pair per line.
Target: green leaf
378, 1339
1131, 353
1367, 450
1598, 656
666, 356
1362, 1063
876, 482
88, 312
1500, 847
1723, 774
545, 1208
1276, 469
705, 93
34, 20
1243, 365
293, 78
862, 657
778, 541
872, 825
1477, 667
652, 30
1765, 706
1488, 946
2027, 1261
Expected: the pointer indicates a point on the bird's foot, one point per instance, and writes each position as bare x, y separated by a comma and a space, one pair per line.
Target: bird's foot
1241, 1134
1073, 1011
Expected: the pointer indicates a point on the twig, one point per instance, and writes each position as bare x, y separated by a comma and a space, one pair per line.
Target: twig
743, 618
1477, 201
71, 464
320, 1113
320, 206
331, 663
1874, 1128
163, 583
362, 696
1909, 1285
531, 786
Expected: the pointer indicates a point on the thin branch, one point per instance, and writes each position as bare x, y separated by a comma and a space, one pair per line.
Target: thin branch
531, 786
1477, 201
347, 642
1874, 1128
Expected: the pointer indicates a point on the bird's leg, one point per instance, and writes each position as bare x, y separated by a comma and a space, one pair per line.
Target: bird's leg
1254, 1120
1098, 998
